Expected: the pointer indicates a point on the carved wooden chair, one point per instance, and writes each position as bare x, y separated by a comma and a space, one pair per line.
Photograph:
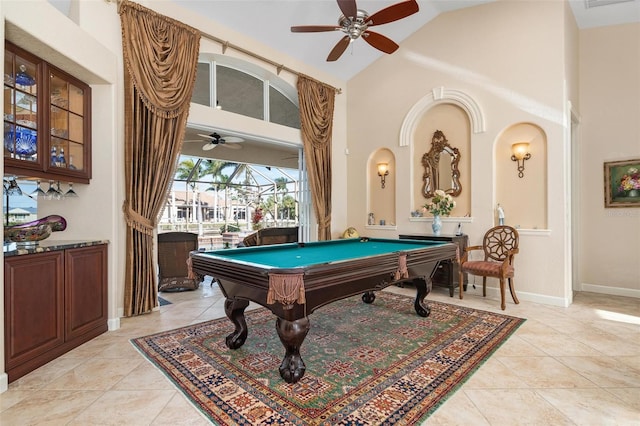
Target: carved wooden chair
269, 236
174, 249
500, 245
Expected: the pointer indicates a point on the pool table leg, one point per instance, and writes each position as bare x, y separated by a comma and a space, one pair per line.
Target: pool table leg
292, 334
234, 308
422, 289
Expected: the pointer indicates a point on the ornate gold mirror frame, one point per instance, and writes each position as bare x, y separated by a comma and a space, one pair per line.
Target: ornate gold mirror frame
441, 167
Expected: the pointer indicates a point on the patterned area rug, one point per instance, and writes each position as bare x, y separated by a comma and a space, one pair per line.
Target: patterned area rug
365, 364
163, 302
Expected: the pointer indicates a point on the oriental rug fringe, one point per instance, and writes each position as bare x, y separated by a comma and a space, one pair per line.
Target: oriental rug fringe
365, 364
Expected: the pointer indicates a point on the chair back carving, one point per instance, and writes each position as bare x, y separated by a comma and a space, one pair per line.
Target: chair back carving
499, 242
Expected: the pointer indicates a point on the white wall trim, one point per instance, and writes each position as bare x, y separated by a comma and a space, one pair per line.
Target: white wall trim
113, 324
523, 296
613, 291
4, 382
440, 95
494, 294
451, 219
534, 232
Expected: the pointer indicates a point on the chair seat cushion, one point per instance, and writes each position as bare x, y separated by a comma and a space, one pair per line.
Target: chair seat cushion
485, 268
178, 283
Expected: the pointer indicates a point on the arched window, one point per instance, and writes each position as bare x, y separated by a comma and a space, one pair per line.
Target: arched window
244, 88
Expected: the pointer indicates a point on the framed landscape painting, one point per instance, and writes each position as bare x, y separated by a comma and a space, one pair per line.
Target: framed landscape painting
622, 183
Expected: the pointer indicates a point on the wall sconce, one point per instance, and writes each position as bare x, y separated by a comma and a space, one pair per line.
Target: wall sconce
383, 171
520, 154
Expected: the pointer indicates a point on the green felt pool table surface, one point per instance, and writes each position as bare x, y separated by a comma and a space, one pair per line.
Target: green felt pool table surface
302, 255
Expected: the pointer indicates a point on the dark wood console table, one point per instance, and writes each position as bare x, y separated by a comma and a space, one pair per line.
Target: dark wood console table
447, 272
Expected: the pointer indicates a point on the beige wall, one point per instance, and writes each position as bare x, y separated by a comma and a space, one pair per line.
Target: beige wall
382, 201
609, 130
508, 70
524, 200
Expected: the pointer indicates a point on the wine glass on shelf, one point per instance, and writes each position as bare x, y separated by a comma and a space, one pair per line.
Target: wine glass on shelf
38, 192
52, 193
13, 188
70, 192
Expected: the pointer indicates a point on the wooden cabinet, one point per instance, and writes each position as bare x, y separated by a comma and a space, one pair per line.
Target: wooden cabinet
33, 309
85, 291
47, 120
53, 302
447, 272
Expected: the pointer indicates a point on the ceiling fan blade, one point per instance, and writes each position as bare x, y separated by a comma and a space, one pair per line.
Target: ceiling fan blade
232, 139
231, 146
380, 42
209, 146
393, 13
348, 8
202, 135
338, 49
313, 28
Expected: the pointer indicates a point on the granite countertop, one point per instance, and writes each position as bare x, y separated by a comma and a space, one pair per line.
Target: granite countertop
14, 249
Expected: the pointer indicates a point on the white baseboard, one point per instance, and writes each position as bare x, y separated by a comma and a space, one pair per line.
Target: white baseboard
4, 382
614, 291
494, 293
540, 298
523, 296
113, 324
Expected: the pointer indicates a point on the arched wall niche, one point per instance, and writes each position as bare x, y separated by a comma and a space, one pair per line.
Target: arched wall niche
437, 96
454, 122
382, 201
411, 135
523, 199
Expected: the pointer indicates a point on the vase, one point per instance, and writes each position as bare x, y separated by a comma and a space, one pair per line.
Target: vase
633, 193
436, 226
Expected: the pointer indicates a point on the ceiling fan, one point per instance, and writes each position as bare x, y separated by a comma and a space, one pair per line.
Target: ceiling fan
216, 140
355, 22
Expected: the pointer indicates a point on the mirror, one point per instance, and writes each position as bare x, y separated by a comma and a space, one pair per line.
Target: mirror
441, 167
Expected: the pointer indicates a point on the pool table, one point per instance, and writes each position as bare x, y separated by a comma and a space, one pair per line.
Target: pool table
293, 280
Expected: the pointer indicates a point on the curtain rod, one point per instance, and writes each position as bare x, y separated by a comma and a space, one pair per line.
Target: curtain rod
225, 45
279, 67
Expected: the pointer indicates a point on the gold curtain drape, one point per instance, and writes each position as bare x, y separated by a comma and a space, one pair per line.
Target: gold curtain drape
160, 60
317, 102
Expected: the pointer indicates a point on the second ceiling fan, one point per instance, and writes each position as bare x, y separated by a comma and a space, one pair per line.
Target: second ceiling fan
216, 139
355, 22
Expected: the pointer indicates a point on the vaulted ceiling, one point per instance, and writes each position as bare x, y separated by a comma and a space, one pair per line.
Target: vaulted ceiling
270, 22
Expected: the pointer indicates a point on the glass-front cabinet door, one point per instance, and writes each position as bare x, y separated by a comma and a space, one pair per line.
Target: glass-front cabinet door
47, 120
68, 116
21, 142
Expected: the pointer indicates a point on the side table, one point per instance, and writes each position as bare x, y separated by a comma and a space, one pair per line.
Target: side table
447, 273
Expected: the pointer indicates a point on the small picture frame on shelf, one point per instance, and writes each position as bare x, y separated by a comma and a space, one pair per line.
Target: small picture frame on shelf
622, 183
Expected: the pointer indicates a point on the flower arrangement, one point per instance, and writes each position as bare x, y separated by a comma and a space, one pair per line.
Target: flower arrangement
630, 180
440, 205
256, 218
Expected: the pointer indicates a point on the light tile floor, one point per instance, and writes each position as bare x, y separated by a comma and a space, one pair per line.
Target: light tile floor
564, 366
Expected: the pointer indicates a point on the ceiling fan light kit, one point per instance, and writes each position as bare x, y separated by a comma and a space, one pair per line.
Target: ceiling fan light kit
355, 23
